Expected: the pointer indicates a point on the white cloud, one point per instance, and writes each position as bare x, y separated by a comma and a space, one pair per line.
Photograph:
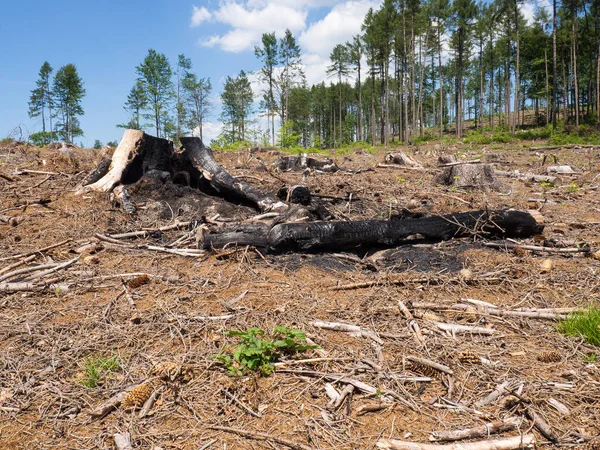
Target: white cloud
337, 27
199, 15
249, 20
210, 130
528, 11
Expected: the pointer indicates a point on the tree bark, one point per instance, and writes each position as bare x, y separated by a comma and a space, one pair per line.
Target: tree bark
310, 236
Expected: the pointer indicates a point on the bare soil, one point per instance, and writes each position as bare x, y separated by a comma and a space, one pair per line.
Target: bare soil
78, 315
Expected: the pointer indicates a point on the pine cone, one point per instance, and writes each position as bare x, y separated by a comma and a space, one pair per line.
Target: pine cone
520, 252
469, 357
138, 281
425, 370
139, 394
167, 371
549, 357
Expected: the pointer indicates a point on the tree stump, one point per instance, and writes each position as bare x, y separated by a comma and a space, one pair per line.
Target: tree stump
469, 176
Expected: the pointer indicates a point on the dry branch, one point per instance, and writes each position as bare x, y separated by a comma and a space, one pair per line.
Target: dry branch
354, 330
510, 443
499, 426
536, 248
262, 437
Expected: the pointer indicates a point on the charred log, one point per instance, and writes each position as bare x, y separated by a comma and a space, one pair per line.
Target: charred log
295, 194
373, 233
203, 159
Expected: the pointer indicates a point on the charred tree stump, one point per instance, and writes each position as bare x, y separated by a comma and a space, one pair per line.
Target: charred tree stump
203, 159
369, 233
136, 154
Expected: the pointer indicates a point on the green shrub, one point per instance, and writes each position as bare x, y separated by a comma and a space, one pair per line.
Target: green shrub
584, 324
256, 354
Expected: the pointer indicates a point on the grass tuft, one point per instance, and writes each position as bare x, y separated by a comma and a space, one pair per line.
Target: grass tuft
584, 324
96, 368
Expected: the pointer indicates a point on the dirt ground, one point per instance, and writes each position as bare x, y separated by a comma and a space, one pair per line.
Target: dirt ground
76, 316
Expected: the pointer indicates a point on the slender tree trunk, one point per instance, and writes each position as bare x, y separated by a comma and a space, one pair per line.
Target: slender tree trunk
373, 115
547, 82
575, 79
360, 118
481, 86
459, 87
401, 130
433, 110
554, 81
407, 131
492, 82
441, 83
422, 53
387, 98
598, 87
517, 85
341, 128
412, 74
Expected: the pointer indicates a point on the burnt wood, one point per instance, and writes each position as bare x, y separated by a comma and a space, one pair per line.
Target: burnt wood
369, 233
202, 158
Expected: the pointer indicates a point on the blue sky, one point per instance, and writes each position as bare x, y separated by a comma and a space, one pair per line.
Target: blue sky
106, 40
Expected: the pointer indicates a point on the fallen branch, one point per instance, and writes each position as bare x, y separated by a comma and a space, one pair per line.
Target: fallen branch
354, 330
34, 287
527, 176
17, 264
493, 311
258, 435
50, 247
499, 426
454, 328
536, 248
510, 443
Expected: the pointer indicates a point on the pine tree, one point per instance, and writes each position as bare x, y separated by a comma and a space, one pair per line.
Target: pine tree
154, 74
41, 99
184, 65
268, 55
68, 92
237, 98
136, 103
197, 97
340, 66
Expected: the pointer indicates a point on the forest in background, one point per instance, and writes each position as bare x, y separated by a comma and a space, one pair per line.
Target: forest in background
418, 71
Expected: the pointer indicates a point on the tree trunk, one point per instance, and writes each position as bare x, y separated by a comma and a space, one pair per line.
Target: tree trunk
441, 84
598, 87
517, 86
575, 79
368, 233
554, 81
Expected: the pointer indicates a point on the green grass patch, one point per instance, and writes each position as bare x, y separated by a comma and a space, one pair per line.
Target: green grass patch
585, 324
96, 368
